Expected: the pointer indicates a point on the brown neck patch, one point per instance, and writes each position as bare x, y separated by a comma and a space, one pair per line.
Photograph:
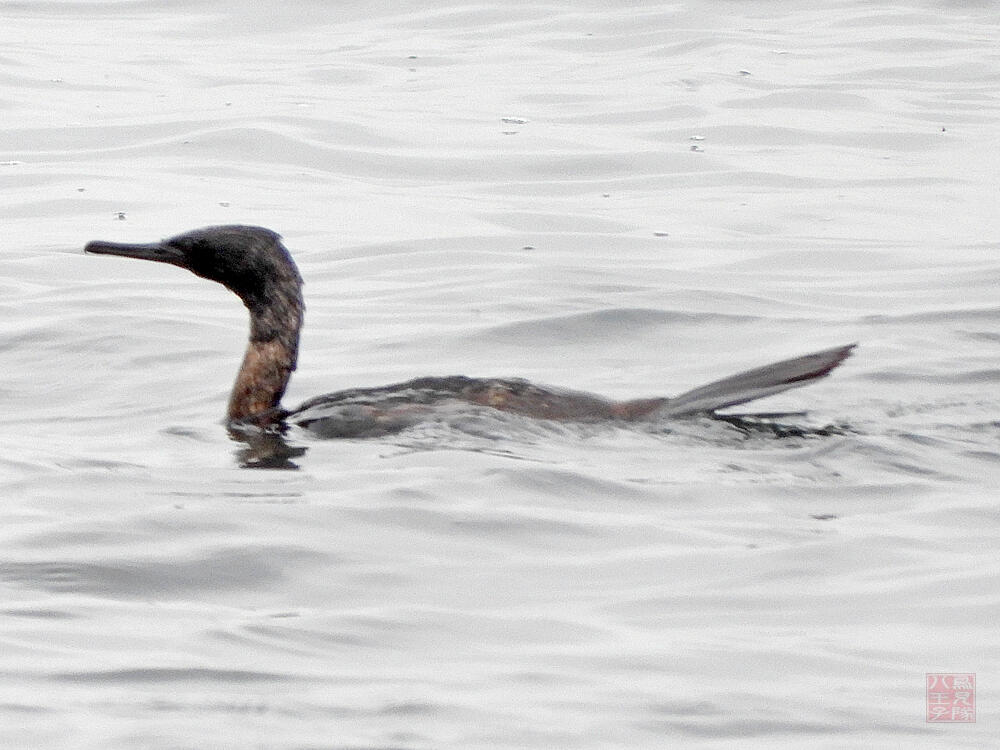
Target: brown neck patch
262, 379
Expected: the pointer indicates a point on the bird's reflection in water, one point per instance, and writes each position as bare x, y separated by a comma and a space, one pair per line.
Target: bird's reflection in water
265, 449
772, 424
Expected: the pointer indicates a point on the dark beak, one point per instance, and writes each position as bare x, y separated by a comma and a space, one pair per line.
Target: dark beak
157, 251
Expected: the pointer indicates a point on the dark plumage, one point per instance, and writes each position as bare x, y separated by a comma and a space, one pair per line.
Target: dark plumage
254, 264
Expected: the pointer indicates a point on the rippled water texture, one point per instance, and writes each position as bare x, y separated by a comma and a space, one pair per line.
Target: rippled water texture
630, 200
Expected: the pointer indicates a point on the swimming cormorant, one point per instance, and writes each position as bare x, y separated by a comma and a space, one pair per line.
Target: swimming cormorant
254, 264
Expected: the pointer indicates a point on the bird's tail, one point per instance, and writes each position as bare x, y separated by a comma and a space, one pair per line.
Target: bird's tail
756, 383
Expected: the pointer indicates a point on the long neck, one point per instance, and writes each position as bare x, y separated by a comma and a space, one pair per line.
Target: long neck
271, 354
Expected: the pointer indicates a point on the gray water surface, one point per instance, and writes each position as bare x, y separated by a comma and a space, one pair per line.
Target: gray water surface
627, 200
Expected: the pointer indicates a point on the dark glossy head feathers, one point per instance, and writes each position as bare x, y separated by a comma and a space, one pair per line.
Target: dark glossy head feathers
250, 261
